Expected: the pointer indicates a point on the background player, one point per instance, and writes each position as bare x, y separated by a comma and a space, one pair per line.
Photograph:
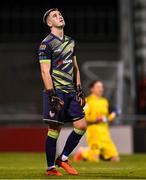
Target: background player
100, 144
62, 98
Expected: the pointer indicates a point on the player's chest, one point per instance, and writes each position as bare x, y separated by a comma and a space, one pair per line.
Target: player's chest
100, 107
62, 49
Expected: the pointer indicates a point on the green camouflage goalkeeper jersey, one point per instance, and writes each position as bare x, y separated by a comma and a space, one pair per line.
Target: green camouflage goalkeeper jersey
60, 54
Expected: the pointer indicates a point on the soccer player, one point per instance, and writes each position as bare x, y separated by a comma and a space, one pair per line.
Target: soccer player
100, 144
63, 99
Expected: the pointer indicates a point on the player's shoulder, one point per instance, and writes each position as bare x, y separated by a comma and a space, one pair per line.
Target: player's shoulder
92, 98
89, 98
68, 38
45, 42
104, 100
47, 39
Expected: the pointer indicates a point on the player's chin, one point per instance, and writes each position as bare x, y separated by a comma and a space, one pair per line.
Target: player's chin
62, 24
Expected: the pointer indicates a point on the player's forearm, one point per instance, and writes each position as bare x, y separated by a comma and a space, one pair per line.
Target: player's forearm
76, 72
78, 79
47, 80
111, 116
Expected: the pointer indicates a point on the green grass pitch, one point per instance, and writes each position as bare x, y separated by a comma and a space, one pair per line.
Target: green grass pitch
33, 165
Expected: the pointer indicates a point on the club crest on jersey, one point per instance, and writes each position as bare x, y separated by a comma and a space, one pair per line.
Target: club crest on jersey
52, 114
42, 47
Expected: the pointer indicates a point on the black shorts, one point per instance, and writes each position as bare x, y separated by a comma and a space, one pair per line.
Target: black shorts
71, 111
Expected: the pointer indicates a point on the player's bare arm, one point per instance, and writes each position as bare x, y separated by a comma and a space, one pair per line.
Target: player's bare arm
55, 102
46, 76
80, 95
77, 72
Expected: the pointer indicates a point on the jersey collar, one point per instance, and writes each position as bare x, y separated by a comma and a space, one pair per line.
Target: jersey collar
62, 40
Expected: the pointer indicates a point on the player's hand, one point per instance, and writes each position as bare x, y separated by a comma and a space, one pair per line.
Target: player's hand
117, 111
80, 96
102, 119
55, 102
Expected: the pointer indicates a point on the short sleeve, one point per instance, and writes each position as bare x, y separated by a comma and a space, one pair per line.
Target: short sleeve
44, 53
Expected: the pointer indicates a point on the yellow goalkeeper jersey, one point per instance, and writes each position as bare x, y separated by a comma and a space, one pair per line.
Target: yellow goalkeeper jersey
96, 108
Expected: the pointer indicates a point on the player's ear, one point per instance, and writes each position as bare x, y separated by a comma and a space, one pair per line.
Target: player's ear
49, 23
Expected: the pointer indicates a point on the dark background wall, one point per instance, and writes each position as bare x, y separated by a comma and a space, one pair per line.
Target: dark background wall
94, 25
88, 21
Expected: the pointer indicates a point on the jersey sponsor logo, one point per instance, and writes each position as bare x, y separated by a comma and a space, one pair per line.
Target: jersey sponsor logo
67, 61
52, 114
59, 62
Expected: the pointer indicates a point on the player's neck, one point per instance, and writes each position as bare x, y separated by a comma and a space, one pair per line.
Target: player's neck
58, 32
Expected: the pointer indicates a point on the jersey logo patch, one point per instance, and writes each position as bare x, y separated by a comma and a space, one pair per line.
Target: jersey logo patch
42, 47
52, 114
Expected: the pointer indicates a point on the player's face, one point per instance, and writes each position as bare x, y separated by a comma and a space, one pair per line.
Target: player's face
98, 89
56, 19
